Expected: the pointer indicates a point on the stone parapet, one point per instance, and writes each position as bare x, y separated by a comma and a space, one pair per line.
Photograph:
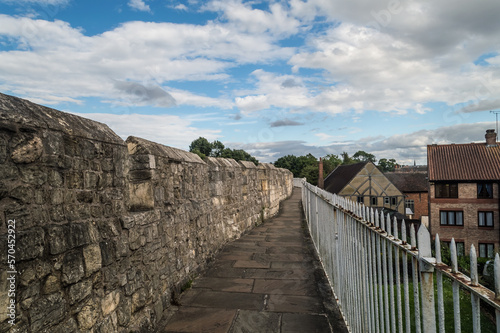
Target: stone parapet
108, 231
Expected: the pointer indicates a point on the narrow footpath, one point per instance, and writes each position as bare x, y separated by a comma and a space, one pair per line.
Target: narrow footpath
269, 280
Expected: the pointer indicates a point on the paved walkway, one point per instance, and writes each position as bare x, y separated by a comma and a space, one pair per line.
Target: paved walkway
269, 280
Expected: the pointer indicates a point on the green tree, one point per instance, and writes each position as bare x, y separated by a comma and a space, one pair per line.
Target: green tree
387, 165
363, 156
203, 148
311, 173
296, 164
217, 148
288, 162
346, 159
330, 162
201, 145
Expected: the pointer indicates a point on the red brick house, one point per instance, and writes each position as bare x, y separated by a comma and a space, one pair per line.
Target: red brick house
464, 196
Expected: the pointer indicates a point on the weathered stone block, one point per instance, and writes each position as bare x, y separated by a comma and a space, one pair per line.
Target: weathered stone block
79, 291
108, 228
140, 175
138, 299
109, 324
56, 213
134, 238
124, 311
57, 238
81, 234
3, 150
92, 258
30, 244
141, 196
108, 252
33, 175
51, 285
85, 196
22, 193
90, 180
66, 326
72, 267
127, 222
74, 180
47, 311
87, 317
110, 302
28, 152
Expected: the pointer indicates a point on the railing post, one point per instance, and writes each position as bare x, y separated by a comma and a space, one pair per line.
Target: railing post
427, 282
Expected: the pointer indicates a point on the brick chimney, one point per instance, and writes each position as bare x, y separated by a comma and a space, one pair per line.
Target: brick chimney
321, 182
491, 138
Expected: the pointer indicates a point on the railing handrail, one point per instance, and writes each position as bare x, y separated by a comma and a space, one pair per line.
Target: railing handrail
379, 233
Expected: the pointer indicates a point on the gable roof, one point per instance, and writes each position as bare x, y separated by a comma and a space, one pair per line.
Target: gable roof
408, 181
466, 162
341, 176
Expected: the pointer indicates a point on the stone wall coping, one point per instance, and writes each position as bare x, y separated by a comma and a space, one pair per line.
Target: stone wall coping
248, 164
223, 162
30, 115
139, 146
267, 166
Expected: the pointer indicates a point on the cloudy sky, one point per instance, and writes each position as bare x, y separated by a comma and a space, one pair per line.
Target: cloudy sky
271, 77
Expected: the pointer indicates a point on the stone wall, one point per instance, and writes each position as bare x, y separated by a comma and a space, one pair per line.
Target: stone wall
108, 231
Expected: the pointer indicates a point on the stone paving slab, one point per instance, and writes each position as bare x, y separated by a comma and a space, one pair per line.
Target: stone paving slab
191, 319
225, 284
269, 280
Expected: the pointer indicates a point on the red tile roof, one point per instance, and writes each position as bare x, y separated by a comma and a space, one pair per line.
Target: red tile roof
408, 182
467, 162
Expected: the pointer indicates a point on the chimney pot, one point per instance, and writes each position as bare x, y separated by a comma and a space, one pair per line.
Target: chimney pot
491, 138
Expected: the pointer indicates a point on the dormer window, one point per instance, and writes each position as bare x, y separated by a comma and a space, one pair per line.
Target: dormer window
484, 190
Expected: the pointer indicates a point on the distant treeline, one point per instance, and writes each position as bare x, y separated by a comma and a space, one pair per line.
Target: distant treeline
307, 166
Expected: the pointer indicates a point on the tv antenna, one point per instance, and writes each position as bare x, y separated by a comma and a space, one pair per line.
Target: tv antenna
496, 115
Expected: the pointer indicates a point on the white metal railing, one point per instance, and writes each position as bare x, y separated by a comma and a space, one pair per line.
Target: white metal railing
382, 281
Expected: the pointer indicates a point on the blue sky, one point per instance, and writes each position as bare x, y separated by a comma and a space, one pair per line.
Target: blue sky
271, 77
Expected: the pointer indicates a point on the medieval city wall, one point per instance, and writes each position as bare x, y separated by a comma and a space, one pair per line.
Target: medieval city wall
106, 231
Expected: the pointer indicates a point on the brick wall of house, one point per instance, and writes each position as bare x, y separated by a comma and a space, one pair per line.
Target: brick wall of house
421, 203
470, 233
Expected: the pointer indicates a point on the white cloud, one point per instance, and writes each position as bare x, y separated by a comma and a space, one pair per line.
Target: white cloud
405, 148
396, 56
276, 21
162, 129
143, 52
181, 6
139, 5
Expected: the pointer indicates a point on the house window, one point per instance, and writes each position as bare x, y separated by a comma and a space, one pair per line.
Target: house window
374, 201
486, 250
360, 199
394, 201
410, 203
460, 247
446, 190
485, 219
452, 217
386, 200
484, 190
